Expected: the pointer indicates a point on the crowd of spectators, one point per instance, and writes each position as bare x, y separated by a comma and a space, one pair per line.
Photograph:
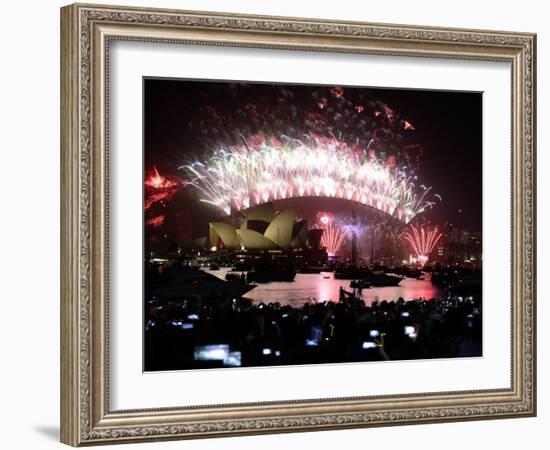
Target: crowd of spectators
199, 333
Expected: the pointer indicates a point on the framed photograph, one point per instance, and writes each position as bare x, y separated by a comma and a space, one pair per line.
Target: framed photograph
277, 225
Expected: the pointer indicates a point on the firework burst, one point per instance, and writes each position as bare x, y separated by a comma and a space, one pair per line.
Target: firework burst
422, 241
333, 236
157, 181
263, 170
155, 221
159, 189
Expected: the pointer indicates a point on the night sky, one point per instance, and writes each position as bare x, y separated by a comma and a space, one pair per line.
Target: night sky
184, 120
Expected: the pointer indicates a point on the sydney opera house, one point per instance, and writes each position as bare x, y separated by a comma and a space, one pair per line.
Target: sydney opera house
262, 229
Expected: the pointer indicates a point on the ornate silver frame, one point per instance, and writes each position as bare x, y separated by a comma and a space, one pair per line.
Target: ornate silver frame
86, 31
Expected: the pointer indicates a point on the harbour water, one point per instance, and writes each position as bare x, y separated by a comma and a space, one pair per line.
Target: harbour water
322, 287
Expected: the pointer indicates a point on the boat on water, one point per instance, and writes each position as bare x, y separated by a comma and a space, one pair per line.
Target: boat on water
191, 282
376, 278
458, 281
409, 272
267, 274
360, 284
381, 279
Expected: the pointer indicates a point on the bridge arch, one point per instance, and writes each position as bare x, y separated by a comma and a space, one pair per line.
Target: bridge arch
242, 177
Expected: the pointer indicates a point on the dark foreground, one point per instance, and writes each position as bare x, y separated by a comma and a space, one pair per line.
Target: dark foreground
198, 334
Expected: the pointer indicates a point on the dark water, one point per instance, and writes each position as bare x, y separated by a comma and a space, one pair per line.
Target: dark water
323, 286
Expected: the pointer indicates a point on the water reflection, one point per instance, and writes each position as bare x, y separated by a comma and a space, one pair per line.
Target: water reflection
323, 287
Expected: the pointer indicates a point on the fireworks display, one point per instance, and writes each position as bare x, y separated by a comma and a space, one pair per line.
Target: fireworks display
355, 151
219, 114
422, 241
310, 212
266, 169
333, 236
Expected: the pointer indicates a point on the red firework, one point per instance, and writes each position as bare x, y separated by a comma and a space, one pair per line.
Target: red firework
422, 241
155, 221
159, 188
157, 181
157, 197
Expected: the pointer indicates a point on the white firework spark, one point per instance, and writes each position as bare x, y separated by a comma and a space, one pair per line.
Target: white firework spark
240, 177
333, 236
423, 241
